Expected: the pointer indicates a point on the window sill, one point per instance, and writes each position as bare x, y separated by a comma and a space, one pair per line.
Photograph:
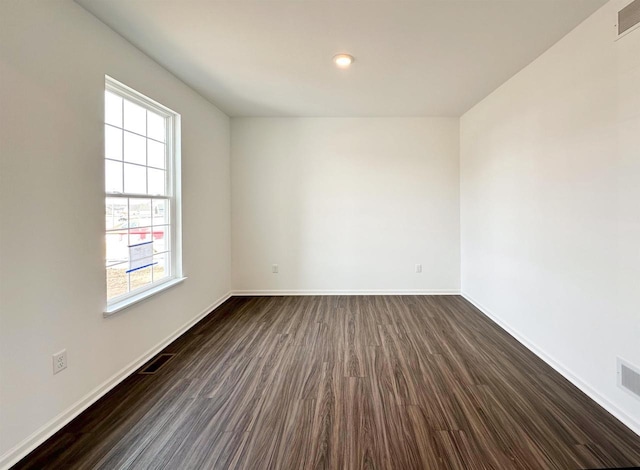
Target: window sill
126, 303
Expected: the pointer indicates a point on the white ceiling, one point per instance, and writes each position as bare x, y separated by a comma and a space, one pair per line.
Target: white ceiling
273, 58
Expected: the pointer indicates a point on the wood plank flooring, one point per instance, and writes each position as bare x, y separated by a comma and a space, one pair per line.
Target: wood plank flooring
373, 382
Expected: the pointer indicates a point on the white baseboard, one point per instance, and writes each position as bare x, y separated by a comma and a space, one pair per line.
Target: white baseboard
623, 417
45, 432
257, 293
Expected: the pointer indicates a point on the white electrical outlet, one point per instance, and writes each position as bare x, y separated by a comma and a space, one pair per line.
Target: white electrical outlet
274, 268
59, 361
418, 268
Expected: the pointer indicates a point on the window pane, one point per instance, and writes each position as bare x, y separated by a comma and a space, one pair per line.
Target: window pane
135, 118
135, 149
139, 213
155, 126
155, 154
116, 213
161, 268
140, 277
139, 235
112, 109
113, 176
112, 143
160, 238
117, 280
117, 244
156, 184
160, 212
135, 179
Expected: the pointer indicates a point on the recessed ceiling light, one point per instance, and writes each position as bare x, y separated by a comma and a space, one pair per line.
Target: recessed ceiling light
343, 60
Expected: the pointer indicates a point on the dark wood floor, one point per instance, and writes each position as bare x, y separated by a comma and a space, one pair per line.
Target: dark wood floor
344, 383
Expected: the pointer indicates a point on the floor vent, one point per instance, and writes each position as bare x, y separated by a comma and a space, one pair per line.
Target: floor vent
155, 365
629, 17
629, 377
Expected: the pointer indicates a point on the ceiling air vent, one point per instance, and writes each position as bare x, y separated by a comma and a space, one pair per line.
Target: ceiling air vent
628, 377
629, 17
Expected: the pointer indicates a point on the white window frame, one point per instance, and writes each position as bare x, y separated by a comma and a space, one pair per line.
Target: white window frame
173, 190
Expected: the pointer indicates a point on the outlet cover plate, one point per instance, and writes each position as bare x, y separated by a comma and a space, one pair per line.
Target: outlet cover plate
59, 361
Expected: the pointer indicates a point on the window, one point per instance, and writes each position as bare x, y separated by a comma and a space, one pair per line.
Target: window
142, 205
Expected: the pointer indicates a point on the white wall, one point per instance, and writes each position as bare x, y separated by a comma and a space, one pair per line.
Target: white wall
345, 204
550, 206
53, 58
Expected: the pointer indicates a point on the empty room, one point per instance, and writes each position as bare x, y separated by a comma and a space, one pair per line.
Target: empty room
339, 234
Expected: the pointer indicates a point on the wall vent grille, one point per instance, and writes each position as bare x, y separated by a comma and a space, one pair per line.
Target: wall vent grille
629, 377
629, 17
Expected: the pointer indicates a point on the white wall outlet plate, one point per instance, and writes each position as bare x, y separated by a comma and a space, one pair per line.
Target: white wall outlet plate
59, 361
418, 268
274, 268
